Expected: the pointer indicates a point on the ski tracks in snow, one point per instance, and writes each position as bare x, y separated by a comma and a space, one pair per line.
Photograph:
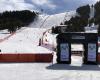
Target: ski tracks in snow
5, 38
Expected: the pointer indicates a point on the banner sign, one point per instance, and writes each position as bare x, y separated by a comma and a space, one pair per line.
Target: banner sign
64, 52
78, 37
91, 52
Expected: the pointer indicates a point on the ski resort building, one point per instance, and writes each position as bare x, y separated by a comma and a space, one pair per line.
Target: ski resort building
88, 40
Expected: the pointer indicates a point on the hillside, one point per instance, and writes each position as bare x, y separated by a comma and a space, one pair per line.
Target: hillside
48, 21
26, 40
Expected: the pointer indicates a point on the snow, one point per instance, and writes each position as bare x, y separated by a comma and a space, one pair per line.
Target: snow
93, 28
47, 71
3, 34
48, 21
25, 41
92, 12
39, 21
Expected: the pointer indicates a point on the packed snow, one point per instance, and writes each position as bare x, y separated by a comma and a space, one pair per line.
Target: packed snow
25, 41
3, 34
47, 71
48, 21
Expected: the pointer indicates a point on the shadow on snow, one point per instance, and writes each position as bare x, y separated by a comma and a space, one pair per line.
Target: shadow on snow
70, 67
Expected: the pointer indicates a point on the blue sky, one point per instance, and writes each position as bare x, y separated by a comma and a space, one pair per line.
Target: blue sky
48, 6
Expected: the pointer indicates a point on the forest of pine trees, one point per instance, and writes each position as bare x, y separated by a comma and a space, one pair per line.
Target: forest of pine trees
13, 20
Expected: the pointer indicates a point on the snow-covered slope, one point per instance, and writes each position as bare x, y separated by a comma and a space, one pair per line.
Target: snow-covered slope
47, 21
3, 34
26, 39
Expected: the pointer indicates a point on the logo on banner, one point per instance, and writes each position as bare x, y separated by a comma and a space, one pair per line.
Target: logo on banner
92, 47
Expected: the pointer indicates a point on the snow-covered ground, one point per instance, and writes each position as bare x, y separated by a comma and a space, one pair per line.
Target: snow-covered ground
48, 21
47, 71
3, 34
25, 41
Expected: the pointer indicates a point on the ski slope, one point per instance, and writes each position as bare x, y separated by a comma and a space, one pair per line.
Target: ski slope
26, 39
3, 34
48, 21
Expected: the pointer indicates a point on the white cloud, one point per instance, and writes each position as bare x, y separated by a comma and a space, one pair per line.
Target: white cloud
15, 5
47, 3
9, 5
40, 2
